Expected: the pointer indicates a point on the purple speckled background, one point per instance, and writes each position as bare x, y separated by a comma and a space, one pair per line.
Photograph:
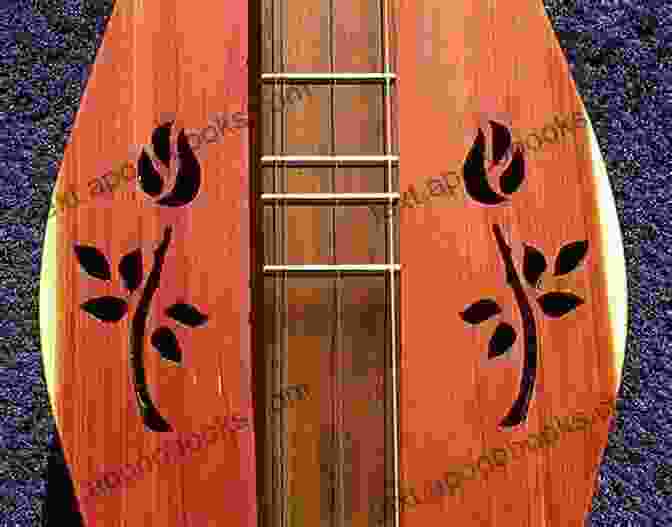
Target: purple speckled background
621, 57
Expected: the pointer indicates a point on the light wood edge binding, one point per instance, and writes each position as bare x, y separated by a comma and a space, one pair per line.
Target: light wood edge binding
611, 241
613, 255
49, 313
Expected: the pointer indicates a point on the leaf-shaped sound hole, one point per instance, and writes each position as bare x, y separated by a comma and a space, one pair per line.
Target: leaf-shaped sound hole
106, 308
480, 311
161, 142
130, 269
501, 340
93, 262
164, 340
501, 141
534, 264
475, 175
188, 179
514, 174
150, 180
557, 304
186, 314
570, 257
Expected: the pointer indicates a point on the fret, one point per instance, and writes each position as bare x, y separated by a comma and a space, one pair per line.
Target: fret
329, 77
342, 268
332, 160
355, 198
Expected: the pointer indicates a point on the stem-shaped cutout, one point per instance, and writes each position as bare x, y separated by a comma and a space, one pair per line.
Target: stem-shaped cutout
150, 415
518, 412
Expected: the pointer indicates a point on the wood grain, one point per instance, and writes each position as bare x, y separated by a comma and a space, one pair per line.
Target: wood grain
459, 65
458, 68
158, 58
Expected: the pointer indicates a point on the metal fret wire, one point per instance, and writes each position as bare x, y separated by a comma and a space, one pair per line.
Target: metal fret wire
338, 268
331, 160
270, 77
325, 196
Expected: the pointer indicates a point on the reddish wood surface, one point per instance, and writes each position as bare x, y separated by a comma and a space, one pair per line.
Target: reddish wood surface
158, 58
455, 66
455, 63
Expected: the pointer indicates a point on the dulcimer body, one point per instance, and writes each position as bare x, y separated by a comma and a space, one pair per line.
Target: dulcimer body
212, 352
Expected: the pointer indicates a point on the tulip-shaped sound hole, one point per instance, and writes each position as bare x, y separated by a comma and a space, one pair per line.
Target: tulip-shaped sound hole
475, 174
188, 178
554, 304
111, 309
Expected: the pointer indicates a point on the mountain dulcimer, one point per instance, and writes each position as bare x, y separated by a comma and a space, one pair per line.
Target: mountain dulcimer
345, 263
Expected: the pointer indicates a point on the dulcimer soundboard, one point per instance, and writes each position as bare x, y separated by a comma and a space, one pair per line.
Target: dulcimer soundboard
319, 263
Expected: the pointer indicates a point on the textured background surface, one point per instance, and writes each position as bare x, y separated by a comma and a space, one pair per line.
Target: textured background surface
620, 53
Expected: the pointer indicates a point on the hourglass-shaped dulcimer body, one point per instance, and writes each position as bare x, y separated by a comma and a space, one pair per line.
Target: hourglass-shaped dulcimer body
210, 346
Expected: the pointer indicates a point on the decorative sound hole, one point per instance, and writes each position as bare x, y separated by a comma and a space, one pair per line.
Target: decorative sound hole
188, 179
554, 304
112, 309
475, 174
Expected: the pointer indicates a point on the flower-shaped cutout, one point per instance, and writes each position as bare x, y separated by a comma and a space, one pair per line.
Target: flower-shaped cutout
475, 175
188, 178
